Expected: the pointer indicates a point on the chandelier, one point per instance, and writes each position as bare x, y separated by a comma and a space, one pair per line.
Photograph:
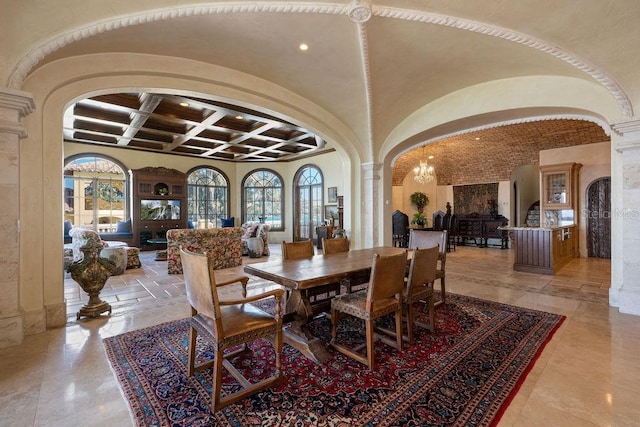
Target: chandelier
424, 172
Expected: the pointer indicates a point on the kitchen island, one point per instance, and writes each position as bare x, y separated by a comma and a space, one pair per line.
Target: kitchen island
543, 250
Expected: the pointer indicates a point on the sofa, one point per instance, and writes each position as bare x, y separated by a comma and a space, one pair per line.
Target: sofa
223, 243
255, 229
123, 232
128, 257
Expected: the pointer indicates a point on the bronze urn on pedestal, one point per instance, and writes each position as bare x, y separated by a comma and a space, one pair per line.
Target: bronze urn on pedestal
92, 273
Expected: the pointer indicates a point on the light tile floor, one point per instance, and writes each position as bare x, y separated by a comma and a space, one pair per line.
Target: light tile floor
588, 375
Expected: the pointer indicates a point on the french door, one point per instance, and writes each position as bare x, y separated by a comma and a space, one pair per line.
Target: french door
308, 202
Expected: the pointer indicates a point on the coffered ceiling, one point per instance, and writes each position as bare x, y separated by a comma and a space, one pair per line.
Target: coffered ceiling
187, 126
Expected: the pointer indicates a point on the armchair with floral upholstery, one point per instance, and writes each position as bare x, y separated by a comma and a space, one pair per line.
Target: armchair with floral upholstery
255, 229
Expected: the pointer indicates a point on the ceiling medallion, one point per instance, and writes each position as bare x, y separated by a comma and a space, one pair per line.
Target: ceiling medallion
360, 11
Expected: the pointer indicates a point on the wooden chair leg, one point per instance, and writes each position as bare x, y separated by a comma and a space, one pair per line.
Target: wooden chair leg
192, 351
399, 328
442, 290
431, 307
334, 324
370, 343
216, 387
410, 321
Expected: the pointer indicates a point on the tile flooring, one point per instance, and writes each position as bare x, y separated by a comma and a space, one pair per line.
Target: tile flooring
588, 375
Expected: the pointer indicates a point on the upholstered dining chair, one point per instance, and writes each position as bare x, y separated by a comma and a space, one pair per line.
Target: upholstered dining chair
418, 288
304, 249
227, 324
428, 239
297, 250
332, 246
382, 297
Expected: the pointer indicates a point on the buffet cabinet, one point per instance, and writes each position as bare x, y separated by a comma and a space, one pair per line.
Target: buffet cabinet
479, 229
159, 204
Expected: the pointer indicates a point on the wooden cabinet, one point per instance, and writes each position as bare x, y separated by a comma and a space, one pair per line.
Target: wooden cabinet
159, 204
544, 250
479, 229
324, 231
559, 186
341, 211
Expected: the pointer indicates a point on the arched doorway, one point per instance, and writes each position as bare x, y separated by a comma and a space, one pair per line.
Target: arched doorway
599, 218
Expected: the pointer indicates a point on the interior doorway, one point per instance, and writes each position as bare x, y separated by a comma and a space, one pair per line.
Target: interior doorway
599, 218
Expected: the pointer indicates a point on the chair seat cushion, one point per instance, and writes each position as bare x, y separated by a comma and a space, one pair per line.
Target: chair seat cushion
237, 321
355, 304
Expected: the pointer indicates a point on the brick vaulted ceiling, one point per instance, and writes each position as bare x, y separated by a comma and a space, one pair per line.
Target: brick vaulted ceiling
491, 155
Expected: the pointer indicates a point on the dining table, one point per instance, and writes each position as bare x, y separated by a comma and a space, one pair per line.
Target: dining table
298, 276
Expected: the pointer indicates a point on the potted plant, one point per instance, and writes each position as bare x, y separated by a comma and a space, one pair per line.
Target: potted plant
420, 200
419, 219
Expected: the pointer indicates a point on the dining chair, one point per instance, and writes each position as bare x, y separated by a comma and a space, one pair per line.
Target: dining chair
228, 324
428, 239
382, 297
332, 246
319, 294
418, 288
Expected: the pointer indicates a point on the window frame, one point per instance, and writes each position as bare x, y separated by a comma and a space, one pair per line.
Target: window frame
191, 216
244, 207
96, 216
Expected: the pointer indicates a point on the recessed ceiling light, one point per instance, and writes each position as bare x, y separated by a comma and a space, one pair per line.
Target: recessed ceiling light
304, 46
477, 138
184, 104
239, 117
430, 157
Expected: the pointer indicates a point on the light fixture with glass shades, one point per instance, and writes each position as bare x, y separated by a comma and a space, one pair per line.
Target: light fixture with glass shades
424, 172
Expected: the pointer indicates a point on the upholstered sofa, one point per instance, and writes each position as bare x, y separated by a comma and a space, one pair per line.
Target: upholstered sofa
255, 229
223, 243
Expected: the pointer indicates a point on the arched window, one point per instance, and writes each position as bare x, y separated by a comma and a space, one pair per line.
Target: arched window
308, 201
207, 197
95, 192
263, 198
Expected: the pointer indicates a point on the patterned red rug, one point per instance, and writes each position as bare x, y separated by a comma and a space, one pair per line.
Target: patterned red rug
465, 374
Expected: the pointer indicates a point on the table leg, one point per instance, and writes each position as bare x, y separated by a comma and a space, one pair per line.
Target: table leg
299, 313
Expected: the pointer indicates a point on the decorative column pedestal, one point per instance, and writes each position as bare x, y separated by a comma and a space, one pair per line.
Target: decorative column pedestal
92, 273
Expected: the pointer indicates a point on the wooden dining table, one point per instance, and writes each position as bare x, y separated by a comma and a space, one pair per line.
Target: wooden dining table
301, 275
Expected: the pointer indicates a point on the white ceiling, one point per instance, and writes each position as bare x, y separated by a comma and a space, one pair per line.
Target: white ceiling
370, 76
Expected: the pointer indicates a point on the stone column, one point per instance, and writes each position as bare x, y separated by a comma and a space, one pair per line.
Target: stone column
625, 244
14, 105
370, 204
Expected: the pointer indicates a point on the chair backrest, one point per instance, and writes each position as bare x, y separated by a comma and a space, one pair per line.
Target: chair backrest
387, 277
298, 250
400, 222
200, 283
423, 268
428, 239
438, 220
332, 246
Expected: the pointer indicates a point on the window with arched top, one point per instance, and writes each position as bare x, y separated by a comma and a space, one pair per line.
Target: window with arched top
95, 192
207, 197
308, 201
263, 198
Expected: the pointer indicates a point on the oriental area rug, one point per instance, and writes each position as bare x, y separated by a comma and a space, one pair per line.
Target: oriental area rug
463, 374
